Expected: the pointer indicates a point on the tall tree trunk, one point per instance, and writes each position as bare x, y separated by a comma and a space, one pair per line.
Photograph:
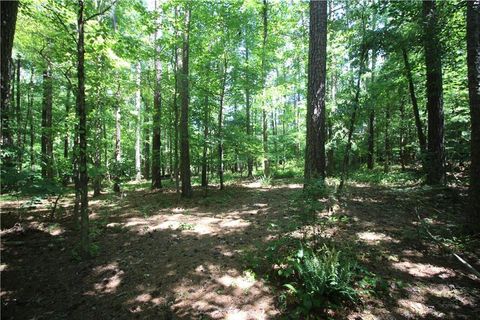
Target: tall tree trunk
184, 102
66, 176
418, 123
47, 137
220, 121
30, 121
146, 141
205, 146
402, 136
266, 160
138, 104
157, 107
317, 61
18, 113
436, 149
82, 133
473, 62
247, 105
177, 113
97, 161
371, 123
8, 20
118, 147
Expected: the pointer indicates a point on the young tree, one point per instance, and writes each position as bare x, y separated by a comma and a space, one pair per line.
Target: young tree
317, 61
223, 71
473, 64
138, 101
266, 160
47, 136
433, 63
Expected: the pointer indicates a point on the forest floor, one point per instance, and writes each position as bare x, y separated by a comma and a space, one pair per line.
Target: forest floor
164, 258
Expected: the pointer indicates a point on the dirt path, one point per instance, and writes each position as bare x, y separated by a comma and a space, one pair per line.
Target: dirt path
164, 259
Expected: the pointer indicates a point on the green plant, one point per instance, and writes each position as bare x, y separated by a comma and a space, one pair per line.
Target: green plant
266, 181
320, 279
186, 226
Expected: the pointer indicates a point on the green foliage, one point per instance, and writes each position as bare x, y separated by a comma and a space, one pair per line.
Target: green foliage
378, 176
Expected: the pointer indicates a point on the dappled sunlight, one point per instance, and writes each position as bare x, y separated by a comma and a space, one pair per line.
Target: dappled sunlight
423, 270
371, 237
111, 277
413, 309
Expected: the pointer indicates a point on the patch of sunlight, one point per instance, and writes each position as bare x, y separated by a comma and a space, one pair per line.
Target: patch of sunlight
371, 237
409, 307
234, 224
3, 267
243, 282
423, 270
145, 297
289, 186
253, 185
237, 315
445, 291
112, 277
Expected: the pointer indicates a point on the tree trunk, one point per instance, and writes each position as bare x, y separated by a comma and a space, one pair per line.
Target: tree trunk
30, 121
138, 102
47, 137
82, 133
146, 142
157, 107
184, 102
433, 63
266, 160
18, 113
118, 146
473, 62
177, 114
386, 163
418, 123
220, 122
317, 61
371, 124
66, 176
8, 20
205, 146
402, 136
247, 105
97, 161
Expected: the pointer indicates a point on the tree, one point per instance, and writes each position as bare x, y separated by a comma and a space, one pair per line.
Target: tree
138, 101
433, 63
47, 134
317, 72
473, 63
266, 160
8, 21
223, 71
184, 102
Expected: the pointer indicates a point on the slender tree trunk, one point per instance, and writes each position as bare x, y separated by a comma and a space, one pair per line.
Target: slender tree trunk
184, 102
371, 124
205, 146
82, 133
97, 161
330, 154
138, 104
402, 135
118, 146
247, 104
418, 123
47, 137
473, 62
157, 106
266, 160
220, 122
317, 61
176, 68
436, 150
30, 121
146, 142
386, 164
19, 119
8, 20
66, 176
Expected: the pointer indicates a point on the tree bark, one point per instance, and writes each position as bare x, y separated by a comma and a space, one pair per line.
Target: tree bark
220, 122
146, 142
418, 123
473, 63
184, 104
82, 133
317, 61
118, 147
435, 146
266, 160
205, 146
8, 17
157, 107
386, 163
247, 105
18, 114
138, 102
47, 136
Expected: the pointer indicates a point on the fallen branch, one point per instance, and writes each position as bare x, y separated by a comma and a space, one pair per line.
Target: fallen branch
465, 263
52, 213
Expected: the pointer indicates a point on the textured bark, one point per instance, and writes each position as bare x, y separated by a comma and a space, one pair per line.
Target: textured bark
205, 146
386, 163
371, 123
47, 136
184, 102
18, 113
82, 133
138, 125
247, 105
220, 122
473, 62
30, 121
435, 146
413, 98
157, 109
317, 60
146, 142
8, 20
266, 160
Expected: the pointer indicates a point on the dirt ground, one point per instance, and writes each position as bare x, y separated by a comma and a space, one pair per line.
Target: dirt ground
164, 258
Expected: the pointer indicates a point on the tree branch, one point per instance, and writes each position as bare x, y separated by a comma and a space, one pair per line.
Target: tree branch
101, 12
